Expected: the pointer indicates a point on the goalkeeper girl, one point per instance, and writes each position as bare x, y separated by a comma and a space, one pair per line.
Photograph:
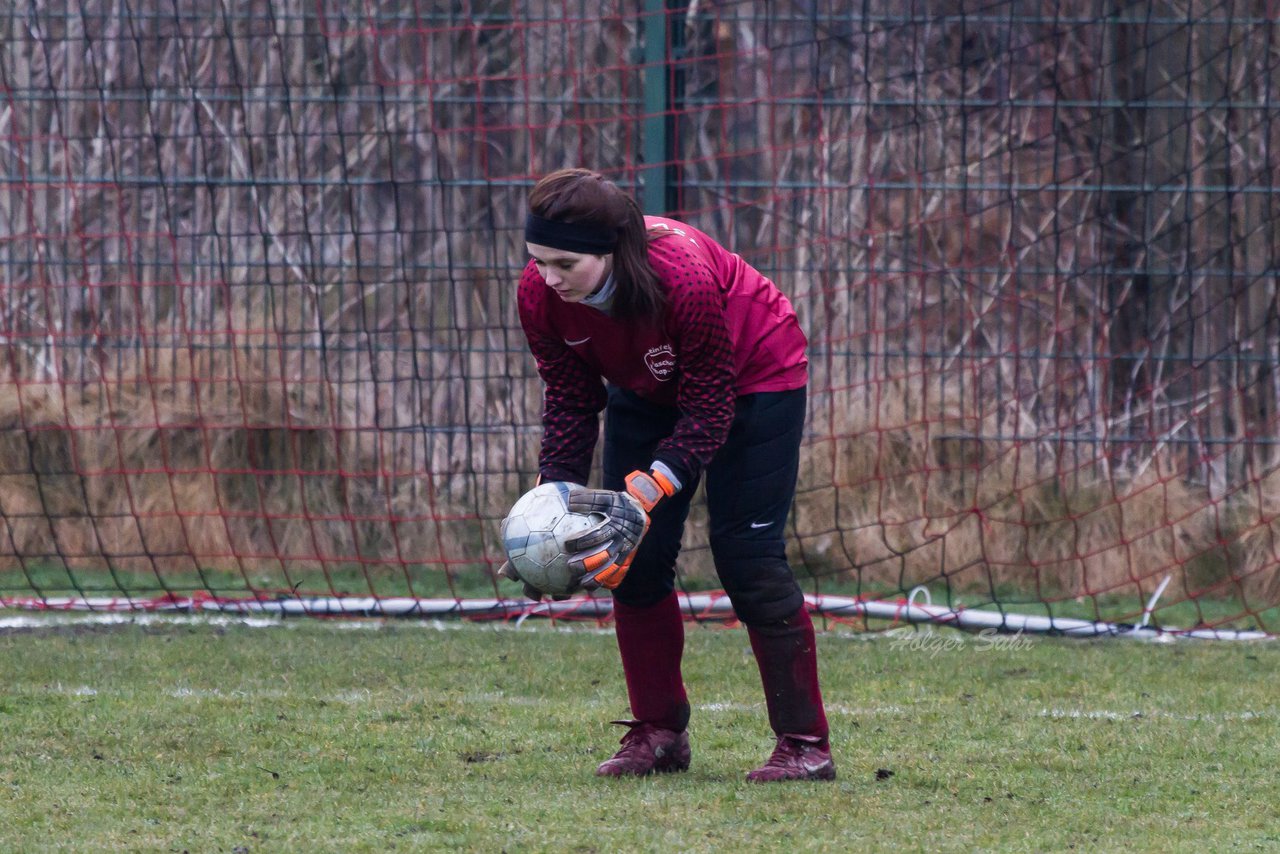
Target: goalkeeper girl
699, 365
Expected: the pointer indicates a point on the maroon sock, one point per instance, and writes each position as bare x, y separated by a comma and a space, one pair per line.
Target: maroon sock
651, 641
788, 659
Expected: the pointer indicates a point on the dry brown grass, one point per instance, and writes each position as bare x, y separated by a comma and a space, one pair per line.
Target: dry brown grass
910, 500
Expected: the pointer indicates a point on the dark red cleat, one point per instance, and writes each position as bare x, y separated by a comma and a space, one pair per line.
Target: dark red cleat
647, 749
796, 757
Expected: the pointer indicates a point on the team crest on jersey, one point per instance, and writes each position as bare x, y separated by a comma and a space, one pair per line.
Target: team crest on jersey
661, 361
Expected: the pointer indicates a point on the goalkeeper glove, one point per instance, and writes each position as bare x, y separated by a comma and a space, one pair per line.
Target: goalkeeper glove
603, 555
649, 488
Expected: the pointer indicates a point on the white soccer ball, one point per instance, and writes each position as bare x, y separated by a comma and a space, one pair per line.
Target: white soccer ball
534, 535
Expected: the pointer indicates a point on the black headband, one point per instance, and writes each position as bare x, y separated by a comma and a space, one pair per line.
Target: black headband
570, 236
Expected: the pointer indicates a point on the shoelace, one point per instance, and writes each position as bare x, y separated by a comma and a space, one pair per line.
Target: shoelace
785, 751
632, 740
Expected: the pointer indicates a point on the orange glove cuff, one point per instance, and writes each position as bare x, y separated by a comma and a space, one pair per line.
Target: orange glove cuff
649, 487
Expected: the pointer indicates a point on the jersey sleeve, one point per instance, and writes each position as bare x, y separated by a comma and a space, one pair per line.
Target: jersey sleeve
573, 393
705, 393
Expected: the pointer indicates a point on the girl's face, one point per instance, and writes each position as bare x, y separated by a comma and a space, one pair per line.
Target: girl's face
572, 275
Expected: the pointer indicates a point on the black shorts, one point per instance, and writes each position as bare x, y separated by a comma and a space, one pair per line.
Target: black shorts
750, 487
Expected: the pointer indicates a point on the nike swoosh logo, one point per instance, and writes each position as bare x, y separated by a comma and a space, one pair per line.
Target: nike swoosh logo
579, 341
761, 524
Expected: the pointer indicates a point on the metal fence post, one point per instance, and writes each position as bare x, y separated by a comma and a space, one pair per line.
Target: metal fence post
659, 174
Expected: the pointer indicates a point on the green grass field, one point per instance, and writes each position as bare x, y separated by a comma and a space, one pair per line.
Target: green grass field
311, 735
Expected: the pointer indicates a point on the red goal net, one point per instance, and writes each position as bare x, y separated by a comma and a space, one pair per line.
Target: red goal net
258, 335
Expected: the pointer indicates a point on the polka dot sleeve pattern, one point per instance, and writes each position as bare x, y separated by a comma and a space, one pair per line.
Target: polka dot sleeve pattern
704, 353
573, 393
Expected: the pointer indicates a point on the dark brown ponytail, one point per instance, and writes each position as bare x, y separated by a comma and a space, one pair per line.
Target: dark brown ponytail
581, 196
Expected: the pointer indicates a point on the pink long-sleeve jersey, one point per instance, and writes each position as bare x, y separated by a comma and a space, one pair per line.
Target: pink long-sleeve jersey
726, 331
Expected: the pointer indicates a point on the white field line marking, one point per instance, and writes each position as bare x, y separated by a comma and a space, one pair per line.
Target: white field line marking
50, 619
67, 690
491, 698
361, 696
1138, 714
831, 709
